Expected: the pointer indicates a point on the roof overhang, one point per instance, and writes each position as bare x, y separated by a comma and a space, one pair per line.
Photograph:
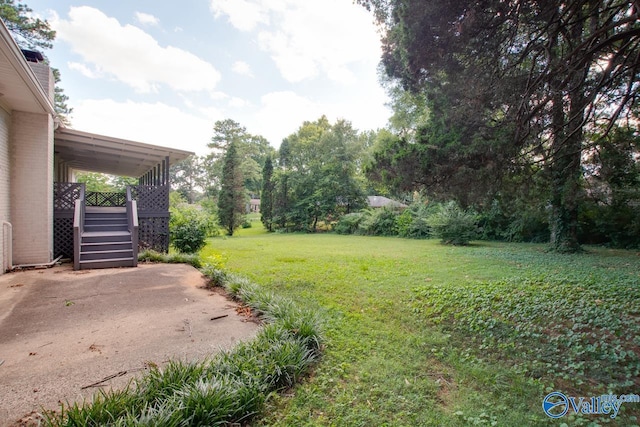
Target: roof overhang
19, 86
98, 153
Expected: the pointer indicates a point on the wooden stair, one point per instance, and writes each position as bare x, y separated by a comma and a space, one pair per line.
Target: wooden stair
106, 241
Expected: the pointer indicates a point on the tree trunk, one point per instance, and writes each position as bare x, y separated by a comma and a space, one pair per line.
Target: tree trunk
567, 152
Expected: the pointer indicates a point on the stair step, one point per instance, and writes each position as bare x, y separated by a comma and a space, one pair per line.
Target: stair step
102, 220
105, 236
107, 263
105, 227
106, 246
106, 254
103, 210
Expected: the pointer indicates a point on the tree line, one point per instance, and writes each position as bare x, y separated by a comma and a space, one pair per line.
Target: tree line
524, 111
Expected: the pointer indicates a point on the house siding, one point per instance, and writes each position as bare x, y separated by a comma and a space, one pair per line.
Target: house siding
5, 184
31, 183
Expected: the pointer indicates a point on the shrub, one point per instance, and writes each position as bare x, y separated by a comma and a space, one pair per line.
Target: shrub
149, 255
349, 223
412, 222
189, 227
379, 222
453, 225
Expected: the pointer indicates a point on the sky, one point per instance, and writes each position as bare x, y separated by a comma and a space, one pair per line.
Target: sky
164, 72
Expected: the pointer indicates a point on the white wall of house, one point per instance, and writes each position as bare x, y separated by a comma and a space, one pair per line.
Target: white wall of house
31, 157
5, 186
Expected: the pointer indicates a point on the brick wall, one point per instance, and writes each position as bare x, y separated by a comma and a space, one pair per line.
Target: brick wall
5, 172
31, 141
45, 77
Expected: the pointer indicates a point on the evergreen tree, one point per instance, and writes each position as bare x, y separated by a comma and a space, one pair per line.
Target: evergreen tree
266, 196
231, 201
511, 85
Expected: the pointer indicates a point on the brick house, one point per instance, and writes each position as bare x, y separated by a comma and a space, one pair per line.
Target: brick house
38, 158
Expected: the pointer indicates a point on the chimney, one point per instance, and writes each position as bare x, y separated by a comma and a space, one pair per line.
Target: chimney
42, 71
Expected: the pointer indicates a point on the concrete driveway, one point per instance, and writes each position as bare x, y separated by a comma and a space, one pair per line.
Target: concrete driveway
63, 332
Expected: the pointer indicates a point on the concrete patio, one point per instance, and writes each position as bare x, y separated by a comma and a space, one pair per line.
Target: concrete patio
63, 332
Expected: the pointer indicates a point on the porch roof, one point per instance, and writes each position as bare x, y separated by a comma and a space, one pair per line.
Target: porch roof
98, 153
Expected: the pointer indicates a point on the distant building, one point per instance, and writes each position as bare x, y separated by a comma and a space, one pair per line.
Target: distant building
254, 206
381, 201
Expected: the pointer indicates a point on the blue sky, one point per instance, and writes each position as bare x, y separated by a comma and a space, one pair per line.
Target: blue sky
164, 72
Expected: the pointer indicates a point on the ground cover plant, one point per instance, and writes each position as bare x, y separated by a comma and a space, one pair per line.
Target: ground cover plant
230, 388
419, 333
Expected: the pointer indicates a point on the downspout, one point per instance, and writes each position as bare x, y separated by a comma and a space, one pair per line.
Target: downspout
7, 246
43, 265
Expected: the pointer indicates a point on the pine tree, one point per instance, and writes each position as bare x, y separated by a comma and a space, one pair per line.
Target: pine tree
231, 201
266, 196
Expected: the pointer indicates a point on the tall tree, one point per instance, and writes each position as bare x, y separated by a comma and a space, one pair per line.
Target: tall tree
515, 83
29, 32
187, 177
231, 201
252, 150
318, 176
266, 196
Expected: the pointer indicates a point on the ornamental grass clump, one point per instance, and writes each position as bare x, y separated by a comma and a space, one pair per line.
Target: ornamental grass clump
231, 387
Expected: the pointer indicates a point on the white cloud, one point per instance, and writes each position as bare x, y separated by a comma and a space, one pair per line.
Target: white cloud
282, 113
242, 68
306, 38
84, 70
236, 102
146, 19
245, 15
151, 123
131, 55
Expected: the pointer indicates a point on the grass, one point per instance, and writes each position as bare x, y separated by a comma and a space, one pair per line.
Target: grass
423, 334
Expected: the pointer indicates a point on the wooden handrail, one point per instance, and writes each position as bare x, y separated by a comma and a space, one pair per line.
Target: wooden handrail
78, 227
132, 220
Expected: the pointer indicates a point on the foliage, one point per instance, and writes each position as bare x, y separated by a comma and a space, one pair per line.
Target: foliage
94, 181
267, 196
519, 221
30, 32
33, 33
63, 111
317, 179
100, 182
510, 86
379, 222
364, 286
229, 388
189, 227
349, 223
231, 201
530, 318
453, 225
187, 178
149, 255
253, 151
412, 222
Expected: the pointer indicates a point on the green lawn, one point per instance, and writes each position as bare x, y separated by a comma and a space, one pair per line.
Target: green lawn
423, 334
